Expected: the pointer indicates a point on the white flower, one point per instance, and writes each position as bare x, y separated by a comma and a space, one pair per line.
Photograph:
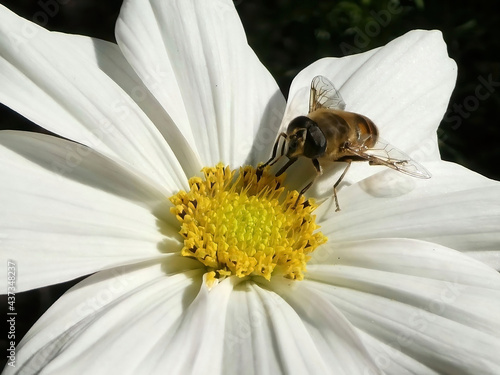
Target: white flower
389, 292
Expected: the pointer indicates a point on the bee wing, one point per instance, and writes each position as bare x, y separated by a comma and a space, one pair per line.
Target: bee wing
383, 153
324, 95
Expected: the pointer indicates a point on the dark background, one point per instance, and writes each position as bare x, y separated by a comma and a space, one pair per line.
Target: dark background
288, 35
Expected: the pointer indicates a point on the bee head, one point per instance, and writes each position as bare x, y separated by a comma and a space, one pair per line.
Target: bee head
305, 138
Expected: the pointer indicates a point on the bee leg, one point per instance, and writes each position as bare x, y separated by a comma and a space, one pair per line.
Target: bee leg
285, 167
319, 172
275, 149
348, 161
282, 150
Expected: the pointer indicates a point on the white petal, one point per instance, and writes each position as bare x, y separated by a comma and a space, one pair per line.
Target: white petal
269, 336
490, 257
116, 321
249, 335
67, 211
433, 304
194, 57
456, 208
393, 361
333, 335
196, 345
107, 57
48, 79
291, 345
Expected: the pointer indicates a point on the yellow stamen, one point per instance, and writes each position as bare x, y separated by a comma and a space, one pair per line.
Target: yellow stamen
244, 226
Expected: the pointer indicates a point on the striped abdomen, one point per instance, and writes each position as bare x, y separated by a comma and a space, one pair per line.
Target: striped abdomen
341, 126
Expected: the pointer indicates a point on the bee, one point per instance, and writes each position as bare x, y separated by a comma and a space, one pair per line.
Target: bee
329, 133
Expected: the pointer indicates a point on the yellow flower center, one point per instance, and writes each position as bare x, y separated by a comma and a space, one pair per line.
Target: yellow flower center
245, 225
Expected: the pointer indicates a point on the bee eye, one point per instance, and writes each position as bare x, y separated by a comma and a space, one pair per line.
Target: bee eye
315, 143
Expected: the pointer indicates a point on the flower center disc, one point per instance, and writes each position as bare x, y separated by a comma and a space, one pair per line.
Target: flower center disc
246, 226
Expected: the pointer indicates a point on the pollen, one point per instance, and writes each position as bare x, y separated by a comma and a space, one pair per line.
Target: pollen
246, 224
